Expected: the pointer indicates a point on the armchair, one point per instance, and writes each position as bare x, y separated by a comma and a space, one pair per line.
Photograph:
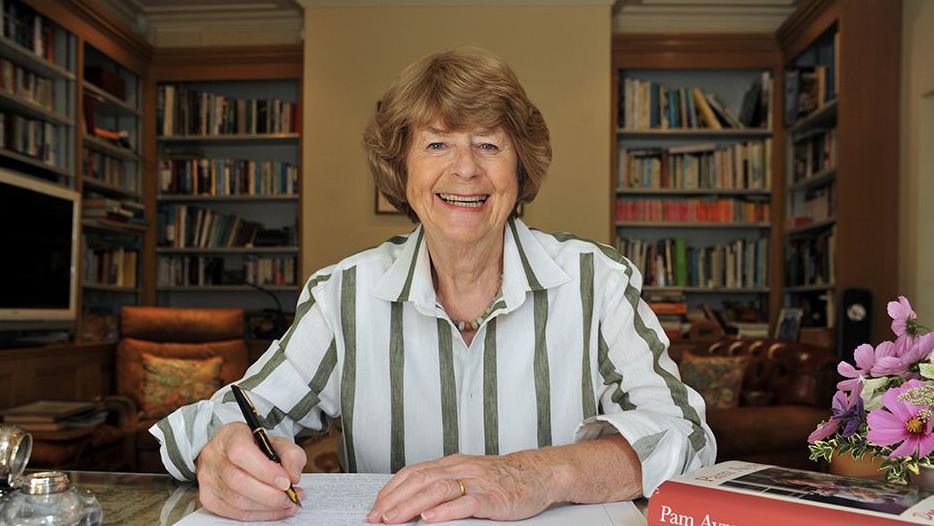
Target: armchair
178, 335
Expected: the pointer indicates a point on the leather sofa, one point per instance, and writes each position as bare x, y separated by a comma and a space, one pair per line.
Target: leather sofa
786, 393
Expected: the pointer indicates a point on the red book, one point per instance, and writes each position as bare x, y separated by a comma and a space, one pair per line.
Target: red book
745, 494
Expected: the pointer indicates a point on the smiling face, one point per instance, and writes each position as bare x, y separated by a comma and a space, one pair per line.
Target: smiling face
462, 184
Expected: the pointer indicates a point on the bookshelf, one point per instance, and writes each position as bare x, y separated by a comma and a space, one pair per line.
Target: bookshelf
694, 206
114, 217
227, 179
840, 99
38, 63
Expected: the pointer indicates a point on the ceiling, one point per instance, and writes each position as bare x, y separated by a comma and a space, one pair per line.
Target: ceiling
152, 18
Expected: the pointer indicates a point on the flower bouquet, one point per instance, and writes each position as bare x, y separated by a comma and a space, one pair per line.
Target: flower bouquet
884, 406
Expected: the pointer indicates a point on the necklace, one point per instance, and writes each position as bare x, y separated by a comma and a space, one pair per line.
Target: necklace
475, 323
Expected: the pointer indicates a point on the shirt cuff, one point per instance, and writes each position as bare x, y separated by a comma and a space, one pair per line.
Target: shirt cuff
663, 451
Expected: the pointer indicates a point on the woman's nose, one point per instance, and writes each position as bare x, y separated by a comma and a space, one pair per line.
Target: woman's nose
465, 163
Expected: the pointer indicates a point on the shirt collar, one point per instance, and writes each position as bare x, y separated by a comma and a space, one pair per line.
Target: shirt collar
527, 267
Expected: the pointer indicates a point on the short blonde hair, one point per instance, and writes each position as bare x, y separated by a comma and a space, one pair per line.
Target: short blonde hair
463, 87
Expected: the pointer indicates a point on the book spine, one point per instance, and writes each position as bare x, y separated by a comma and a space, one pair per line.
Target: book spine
680, 503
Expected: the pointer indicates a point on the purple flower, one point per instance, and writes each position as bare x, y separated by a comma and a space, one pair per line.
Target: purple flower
903, 423
903, 317
865, 360
846, 409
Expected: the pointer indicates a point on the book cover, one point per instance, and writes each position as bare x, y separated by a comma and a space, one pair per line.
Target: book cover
704, 110
45, 411
747, 494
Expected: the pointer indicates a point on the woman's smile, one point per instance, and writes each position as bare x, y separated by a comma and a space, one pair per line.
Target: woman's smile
464, 202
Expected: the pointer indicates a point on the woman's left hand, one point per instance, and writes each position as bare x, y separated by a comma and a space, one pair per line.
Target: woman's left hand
510, 487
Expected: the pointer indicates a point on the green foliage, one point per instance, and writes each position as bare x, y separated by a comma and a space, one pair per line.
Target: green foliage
898, 470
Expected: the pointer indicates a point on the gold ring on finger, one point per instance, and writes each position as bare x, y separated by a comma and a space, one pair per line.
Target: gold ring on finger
463, 487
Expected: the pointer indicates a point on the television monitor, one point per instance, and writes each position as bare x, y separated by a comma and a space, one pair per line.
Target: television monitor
39, 242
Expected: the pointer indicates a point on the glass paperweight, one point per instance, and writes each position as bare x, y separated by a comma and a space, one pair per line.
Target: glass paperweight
48, 499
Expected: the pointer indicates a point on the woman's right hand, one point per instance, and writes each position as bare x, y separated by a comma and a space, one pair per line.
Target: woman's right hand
237, 481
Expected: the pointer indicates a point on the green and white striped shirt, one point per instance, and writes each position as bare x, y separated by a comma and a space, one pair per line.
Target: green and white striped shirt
569, 352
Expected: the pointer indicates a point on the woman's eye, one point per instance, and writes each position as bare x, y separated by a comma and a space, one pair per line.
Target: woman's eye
489, 147
436, 146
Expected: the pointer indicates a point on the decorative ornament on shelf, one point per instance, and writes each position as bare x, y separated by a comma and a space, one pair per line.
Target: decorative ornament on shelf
885, 404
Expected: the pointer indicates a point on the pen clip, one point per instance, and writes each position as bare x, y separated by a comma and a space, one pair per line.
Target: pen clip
247, 398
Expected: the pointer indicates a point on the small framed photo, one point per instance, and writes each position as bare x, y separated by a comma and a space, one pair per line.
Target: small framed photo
789, 323
383, 206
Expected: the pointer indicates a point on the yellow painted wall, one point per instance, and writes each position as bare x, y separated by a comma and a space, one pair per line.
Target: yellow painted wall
561, 55
916, 181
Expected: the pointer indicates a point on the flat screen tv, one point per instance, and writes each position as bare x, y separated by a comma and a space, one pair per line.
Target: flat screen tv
39, 247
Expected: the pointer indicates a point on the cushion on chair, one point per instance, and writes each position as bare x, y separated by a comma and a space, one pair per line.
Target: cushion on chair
130, 360
165, 324
169, 383
718, 379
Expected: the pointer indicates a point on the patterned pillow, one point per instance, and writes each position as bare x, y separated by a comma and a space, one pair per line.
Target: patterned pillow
169, 383
718, 379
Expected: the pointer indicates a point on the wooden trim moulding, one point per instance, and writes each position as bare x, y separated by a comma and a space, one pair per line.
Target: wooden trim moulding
807, 23
228, 63
102, 30
695, 51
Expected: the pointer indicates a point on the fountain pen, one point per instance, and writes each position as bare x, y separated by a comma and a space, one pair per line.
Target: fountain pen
259, 434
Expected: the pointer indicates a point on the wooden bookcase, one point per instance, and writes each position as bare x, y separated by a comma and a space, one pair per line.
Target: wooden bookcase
726, 65
82, 35
37, 99
864, 114
273, 72
110, 171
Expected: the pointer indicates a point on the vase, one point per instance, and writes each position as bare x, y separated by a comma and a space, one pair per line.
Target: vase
924, 479
867, 467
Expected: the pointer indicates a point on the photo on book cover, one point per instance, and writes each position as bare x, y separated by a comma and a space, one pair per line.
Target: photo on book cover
865, 494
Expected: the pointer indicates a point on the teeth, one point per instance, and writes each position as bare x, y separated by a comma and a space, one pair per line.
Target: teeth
464, 201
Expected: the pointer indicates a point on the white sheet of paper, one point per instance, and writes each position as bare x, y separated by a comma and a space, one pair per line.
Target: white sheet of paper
344, 500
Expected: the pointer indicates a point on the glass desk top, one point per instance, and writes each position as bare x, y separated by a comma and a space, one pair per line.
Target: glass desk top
138, 498
151, 499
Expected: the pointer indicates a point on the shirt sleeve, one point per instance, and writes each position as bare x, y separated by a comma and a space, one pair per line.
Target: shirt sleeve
643, 397
293, 386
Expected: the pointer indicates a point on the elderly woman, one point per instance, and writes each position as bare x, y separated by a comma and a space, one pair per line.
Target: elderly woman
494, 369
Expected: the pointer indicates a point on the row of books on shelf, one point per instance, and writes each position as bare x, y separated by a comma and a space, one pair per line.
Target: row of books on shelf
30, 137
108, 170
815, 154
108, 265
27, 28
810, 261
123, 210
743, 166
808, 90
692, 210
817, 204
204, 271
223, 177
183, 111
182, 226
672, 262
652, 105
23, 83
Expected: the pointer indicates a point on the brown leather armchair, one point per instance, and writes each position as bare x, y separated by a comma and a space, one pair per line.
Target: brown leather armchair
173, 333
786, 393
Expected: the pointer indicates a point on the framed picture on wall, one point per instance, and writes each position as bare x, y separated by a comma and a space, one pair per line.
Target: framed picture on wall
383, 206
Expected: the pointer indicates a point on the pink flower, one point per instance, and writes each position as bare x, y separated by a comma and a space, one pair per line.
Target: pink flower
865, 360
846, 410
914, 349
899, 422
903, 317
889, 361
